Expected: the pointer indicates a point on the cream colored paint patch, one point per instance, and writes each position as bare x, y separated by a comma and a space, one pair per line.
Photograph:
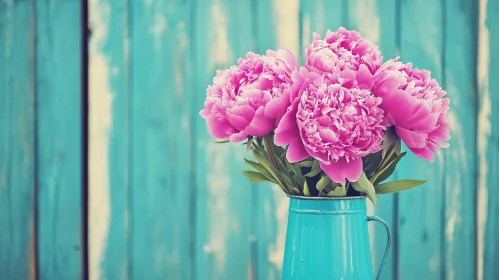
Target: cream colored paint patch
216, 154
276, 253
100, 120
218, 184
368, 25
287, 30
158, 28
368, 20
220, 51
483, 132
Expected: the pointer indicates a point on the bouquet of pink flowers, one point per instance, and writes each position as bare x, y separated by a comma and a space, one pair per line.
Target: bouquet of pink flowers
334, 126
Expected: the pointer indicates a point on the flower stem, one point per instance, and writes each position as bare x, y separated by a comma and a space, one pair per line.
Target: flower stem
269, 150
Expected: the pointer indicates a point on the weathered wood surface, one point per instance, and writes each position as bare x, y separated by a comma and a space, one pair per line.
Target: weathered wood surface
59, 139
17, 141
165, 201
108, 140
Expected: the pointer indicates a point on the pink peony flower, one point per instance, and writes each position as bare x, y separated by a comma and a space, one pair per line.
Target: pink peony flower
340, 50
414, 104
333, 118
250, 98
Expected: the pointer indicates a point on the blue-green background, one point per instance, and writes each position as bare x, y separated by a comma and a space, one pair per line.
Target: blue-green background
107, 170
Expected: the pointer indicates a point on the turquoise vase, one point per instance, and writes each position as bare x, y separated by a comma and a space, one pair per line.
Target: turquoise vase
327, 238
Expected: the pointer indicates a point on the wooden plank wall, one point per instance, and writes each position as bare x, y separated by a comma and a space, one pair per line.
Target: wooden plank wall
160, 199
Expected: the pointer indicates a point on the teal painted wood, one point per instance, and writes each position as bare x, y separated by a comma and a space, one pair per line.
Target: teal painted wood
59, 137
421, 225
376, 20
17, 141
460, 159
328, 239
488, 140
223, 31
319, 16
277, 26
109, 145
265, 220
161, 168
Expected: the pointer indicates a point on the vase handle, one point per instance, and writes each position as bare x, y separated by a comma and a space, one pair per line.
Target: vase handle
388, 243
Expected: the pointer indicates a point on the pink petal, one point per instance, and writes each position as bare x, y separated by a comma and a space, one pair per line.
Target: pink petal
341, 169
412, 139
398, 104
424, 152
276, 107
260, 125
219, 129
296, 151
238, 137
364, 77
237, 121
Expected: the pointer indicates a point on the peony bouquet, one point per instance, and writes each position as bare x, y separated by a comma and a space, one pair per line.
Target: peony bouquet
334, 126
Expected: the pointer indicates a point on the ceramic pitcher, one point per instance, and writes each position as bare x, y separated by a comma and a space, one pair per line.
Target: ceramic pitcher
327, 238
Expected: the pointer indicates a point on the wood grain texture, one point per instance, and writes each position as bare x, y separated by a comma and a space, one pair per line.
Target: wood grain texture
421, 224
17, 141
222, 203
376, 21
59, 135
109, 148
488, 140
161, 140
459, 80
277, 26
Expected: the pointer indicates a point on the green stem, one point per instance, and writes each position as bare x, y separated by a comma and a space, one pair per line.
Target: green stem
269, 150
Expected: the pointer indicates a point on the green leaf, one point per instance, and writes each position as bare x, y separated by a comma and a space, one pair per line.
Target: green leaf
316, 168
222, 141
398, 186
371, 162
391, 141
365, 186
338, 191
383, 174
255, 177
249, 143
305, 163
322, 183
260, 168
306, 191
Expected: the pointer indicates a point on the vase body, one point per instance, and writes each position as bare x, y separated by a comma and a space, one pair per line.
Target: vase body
327, 239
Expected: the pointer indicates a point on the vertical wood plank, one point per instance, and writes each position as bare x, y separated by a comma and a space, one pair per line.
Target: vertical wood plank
460, 159
277, 26
59, 95
376, 20
488, 140
223, 195
421, 209
17, 142
108, 140
161, 142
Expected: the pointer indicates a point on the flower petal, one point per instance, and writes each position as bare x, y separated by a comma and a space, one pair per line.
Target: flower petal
260, 125
220, 129
341, 169
296, 151
412, 139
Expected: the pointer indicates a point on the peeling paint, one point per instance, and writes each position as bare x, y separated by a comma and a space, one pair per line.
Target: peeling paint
220, 51
157, 29
218, 184
368, 25
276, 252
286, 14
484, 130
366, 12
100, 106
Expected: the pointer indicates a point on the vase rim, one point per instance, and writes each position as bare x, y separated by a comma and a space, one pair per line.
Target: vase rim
326, 197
